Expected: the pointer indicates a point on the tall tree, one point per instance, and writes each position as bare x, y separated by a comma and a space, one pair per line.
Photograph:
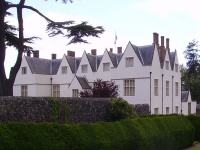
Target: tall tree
192, 55
191, 73
76, 33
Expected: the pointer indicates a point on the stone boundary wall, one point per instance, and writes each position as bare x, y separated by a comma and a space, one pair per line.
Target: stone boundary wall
48, 109
60, 110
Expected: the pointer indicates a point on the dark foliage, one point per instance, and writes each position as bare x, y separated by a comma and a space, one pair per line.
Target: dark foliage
166, 133
104, 89
192, 55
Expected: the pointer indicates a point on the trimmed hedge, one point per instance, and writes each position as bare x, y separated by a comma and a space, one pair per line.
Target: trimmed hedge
195, 120
171, 132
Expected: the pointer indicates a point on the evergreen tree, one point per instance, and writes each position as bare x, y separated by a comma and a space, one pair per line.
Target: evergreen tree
76, 33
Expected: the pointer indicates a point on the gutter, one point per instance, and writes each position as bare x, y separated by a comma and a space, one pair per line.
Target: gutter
172, 93
162, 93
51, 86
150, 94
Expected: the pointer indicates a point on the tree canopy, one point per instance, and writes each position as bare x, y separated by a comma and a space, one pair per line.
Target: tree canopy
191, 73
9, 37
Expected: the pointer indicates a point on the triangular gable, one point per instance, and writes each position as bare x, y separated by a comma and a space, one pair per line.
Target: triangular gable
167, 57
173, 59
83, 82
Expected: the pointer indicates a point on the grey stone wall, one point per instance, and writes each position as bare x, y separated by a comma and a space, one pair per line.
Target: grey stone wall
142, 109
42, 109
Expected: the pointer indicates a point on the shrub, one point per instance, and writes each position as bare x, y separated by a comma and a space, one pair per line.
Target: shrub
195, 121
120, 109
169, 132
104, 89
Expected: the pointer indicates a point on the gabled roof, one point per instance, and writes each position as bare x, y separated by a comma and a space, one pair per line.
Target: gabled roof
184, 96
92, 61
144, 53
73, 63
115, 58
43, 66
83, 82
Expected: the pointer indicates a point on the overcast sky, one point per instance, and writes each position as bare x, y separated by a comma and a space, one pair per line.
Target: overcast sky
132, 20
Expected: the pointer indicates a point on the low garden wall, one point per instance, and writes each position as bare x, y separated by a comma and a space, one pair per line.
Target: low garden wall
48, 109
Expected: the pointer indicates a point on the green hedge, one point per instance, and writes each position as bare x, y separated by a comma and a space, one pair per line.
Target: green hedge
171, 132
195, 120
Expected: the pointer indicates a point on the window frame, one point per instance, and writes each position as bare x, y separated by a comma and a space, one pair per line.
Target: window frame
176, 89
64, 69
24, 70
167, 65
129, 87
24, 90
75, 93
56, 90
106, 67
84, 68
129, 62
167, 88
156, 86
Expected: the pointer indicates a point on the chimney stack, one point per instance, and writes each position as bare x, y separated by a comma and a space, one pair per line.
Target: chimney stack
119, 50
111, 50
36, 54
71, 53
162, 41
53, 56
28, 53
167, 43
94, 52
155, 38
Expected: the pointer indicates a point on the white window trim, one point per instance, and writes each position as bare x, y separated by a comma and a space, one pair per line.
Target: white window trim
24, 70
129, 90
56, 90
106, 67
75, 93
129, 62
156, 87
84, 68
24, 90
64, 70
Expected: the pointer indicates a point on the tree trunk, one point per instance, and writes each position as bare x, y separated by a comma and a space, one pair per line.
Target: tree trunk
3, 79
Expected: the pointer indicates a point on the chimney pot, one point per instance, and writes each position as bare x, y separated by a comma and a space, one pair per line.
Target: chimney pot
53, 56
111, 50
119, 50
36, 54
94, 52
162, 41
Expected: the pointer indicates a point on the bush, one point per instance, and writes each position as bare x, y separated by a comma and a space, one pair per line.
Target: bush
170, 132
195, 121
120, 109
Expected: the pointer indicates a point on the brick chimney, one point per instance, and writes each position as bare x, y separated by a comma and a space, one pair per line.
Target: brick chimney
94, 52
162, 41
53, 56
162, 50
111, 50
36, 53
155, 38
28, 53
167, 44
119, 50
71, 53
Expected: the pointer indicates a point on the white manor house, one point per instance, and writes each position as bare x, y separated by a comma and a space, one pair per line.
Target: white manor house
144, 74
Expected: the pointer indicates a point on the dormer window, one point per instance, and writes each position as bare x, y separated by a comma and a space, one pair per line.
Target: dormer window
129, 62
64, 69
106, 66
24, 70
167, 65
84, 68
